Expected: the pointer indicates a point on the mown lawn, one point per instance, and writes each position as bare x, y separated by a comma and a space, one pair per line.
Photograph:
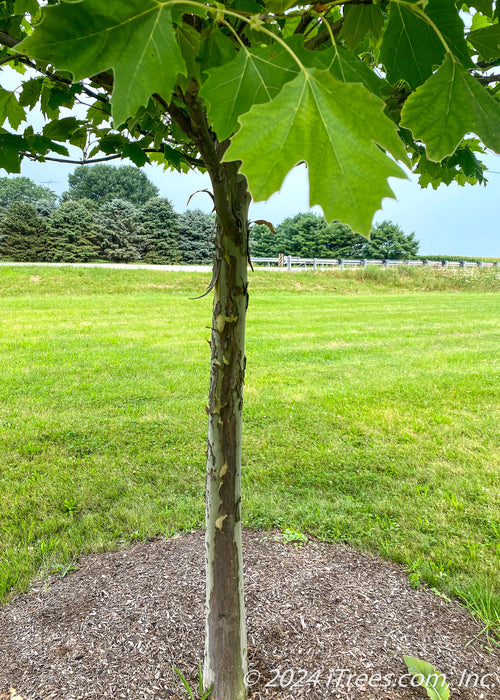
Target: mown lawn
371, 416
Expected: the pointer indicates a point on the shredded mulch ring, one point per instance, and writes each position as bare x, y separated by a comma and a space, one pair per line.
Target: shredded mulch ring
324, 621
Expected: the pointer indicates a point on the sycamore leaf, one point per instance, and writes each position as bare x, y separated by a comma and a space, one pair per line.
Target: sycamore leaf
448, 106
10, 109
360, 20
411, 47
135, 39
253, 77
336, 128
22, 6
30, 93
487, 41
62, 129
136, 154
434, 682
10, 147
346, 66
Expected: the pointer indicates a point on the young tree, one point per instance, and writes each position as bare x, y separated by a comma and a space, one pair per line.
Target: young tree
196, 237
159, 236
72, 233
23, 234
103, 183
118, 231
246, 90
22, 189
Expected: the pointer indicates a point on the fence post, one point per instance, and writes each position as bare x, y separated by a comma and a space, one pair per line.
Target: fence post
341, 263
315, 263
445, 264
386, 264
365, 263
462, 263
481, 264
289, 262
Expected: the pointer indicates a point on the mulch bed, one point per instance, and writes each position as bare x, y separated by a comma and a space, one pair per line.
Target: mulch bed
324, 621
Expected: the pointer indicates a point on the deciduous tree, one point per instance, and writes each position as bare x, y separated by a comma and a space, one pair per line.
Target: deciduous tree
246, 90
22, 189
102, 183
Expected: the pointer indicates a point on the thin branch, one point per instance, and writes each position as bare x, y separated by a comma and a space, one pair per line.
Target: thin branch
487, 79
8, 40
7, 59
87, 161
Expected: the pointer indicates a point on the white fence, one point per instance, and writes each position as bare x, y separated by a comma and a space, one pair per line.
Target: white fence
288, 261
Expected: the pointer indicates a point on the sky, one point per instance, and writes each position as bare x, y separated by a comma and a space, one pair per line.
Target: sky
451, 220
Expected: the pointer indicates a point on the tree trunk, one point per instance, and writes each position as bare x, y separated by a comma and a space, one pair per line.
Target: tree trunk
225, 662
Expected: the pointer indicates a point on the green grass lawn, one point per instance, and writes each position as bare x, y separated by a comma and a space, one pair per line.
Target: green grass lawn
371, 416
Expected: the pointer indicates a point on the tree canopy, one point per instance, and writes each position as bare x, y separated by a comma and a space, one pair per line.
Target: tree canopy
22, 189
103, 183
371, 83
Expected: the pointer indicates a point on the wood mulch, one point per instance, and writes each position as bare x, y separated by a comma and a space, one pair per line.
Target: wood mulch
324, 621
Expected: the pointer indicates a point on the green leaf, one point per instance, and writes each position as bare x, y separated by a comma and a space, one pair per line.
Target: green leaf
216, 49
411, 47
346, 66
487, 41
135, 39
190, 44
10, 147
136, 154
448, 106
22, 6
434, 682
253, 77
360, 20
10, 109
336, 128
30, 92
61, 129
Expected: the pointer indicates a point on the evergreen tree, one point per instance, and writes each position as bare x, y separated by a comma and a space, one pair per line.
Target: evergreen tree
118, 231
196, 237
389, 242
102, 183
159, 241
23, 234
72, 235
263, 242
22, 189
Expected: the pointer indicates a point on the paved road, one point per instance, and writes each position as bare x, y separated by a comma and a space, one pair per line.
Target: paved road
117, 266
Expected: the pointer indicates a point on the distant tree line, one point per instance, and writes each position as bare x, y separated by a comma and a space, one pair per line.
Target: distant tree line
108, 213
115, 214
310, 236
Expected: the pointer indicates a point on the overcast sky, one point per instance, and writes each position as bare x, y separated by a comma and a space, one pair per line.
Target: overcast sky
451, 220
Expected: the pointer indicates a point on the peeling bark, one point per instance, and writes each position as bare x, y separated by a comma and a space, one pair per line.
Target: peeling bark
225, 661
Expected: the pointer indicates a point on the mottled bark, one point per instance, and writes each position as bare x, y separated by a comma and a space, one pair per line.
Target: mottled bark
225, 641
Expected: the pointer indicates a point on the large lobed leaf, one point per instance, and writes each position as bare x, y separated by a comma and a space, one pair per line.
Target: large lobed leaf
448, 106
253, 77
135, 39
338, 129
411, 47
